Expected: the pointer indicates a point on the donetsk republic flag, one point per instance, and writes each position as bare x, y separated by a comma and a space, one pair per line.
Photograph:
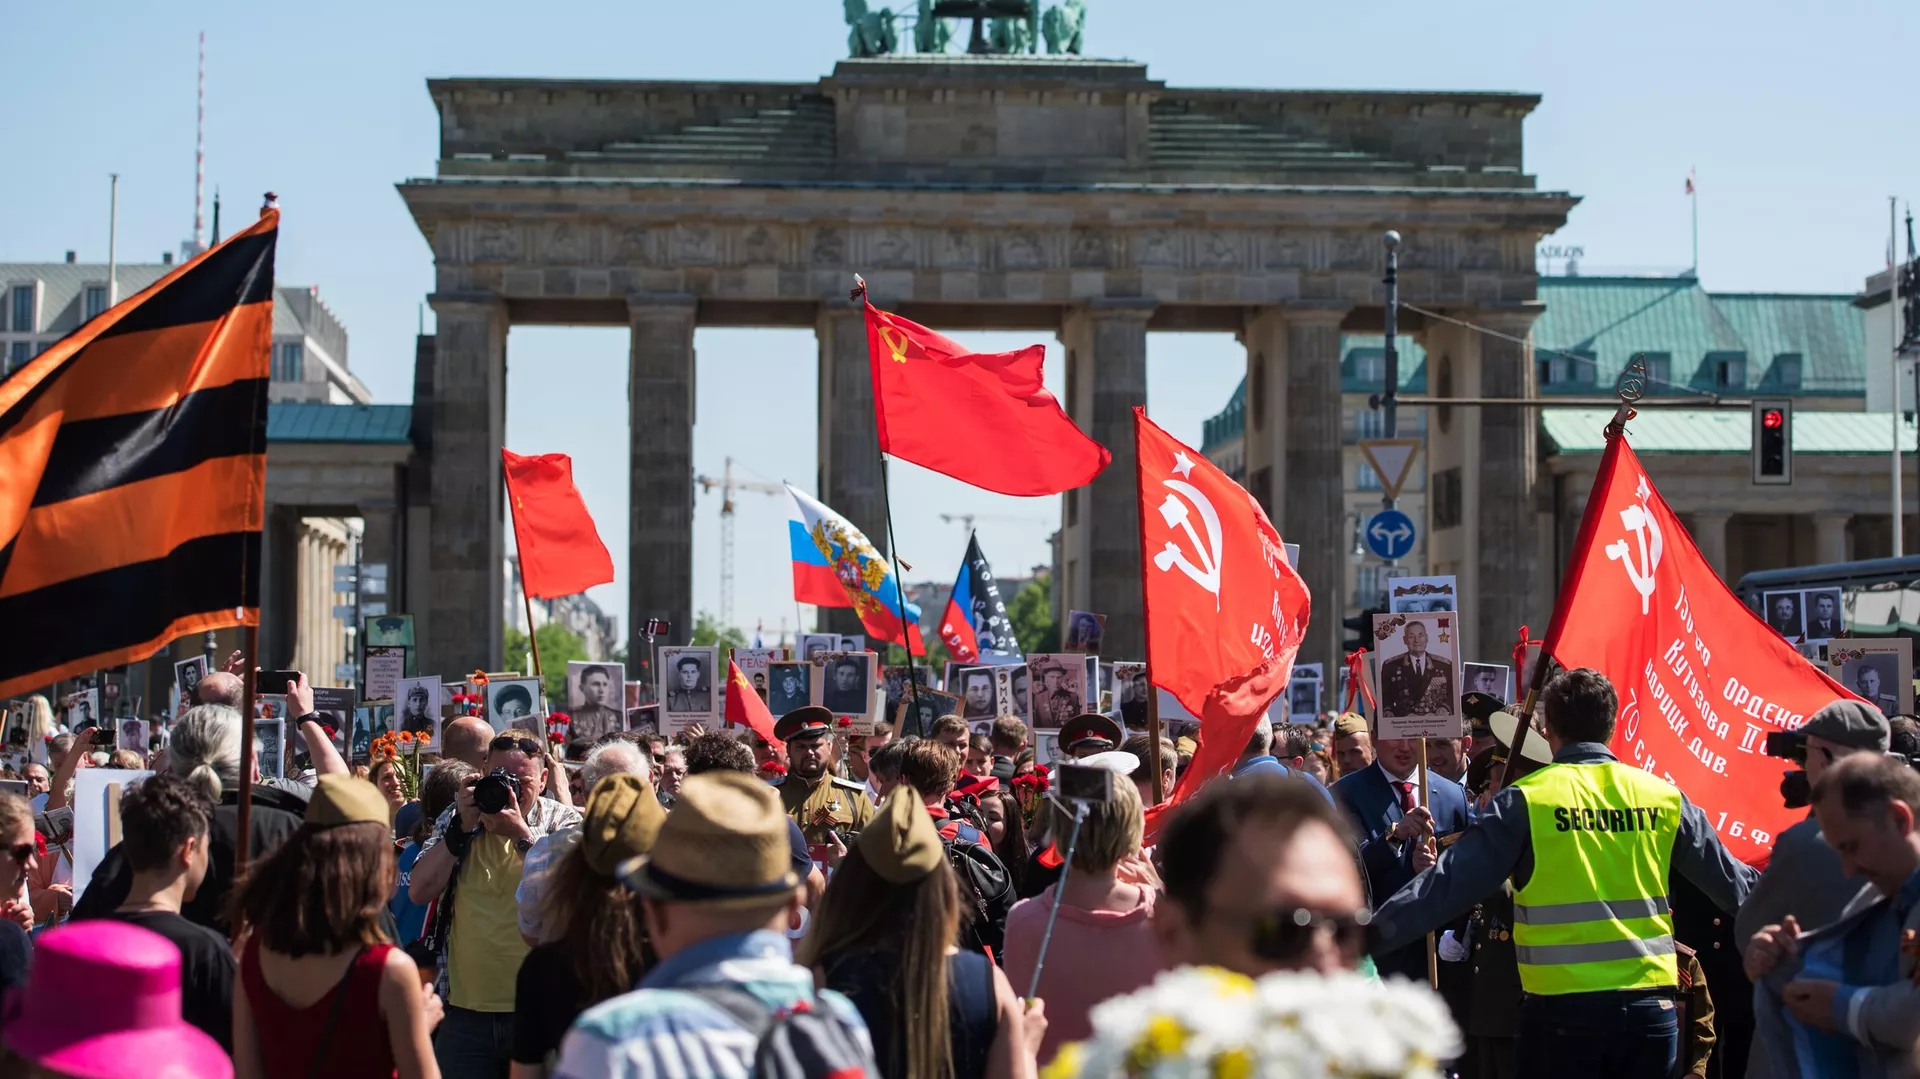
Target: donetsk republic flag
133, 471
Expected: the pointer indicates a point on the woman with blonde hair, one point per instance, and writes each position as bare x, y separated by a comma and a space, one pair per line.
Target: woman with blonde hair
883, 935
205, 751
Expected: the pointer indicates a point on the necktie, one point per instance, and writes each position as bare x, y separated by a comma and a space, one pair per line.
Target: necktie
1406, 795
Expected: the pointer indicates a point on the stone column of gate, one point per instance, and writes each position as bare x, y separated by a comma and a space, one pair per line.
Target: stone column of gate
1294, 452
849, 455
660, 397
464, 617
1106, 343
1503, 542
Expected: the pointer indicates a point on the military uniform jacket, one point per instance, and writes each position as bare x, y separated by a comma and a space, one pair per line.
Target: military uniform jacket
1493, 1003
844, 800
1405, 691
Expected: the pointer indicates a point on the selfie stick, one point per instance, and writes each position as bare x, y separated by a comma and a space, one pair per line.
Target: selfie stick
1059, 890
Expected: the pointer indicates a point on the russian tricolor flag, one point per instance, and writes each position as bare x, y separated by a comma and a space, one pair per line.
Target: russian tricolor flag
835, 566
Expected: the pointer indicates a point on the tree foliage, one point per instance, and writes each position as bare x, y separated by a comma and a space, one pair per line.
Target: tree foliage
1031, 613
558, 647
708, 631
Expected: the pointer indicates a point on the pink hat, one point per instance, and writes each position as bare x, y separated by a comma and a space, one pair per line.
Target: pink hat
102, 1001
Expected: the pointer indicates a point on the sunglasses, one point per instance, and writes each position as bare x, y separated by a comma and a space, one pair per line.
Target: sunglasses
506, 742
20, 852
1284, 936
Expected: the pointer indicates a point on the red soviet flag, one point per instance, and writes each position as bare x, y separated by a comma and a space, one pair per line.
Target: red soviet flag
1701, 679
983, 418
1225, 610
744, 706
560, 552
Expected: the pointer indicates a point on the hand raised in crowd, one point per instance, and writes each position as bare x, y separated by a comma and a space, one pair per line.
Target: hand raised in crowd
1137, 869
236, 664
431, 1007
1770, 945
836, 850
300, 696
1810, 1000
694, 730
1417, 822
508, 822
1425, 853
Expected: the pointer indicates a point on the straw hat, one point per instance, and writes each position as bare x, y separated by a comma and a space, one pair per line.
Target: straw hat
725, 843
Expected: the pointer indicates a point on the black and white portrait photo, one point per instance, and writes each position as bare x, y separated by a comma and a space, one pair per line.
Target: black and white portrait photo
272, 736
1417, 657
848, 689
856, 642
186, 676
815, 646
977, 695
1019, 700
1879, 670
1783, 614
132, 735
644, 718
511, 699
789, 686
1822, 609
1487, 678
1085, 630
596, 693
418, 703
1303, 699
1130, 694
689, 691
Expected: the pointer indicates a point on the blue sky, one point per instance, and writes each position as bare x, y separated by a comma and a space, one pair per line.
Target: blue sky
1794, 120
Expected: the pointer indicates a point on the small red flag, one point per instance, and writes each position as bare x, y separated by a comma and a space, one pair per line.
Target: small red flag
1700, 678
744, 706
1225, 611
560, 552
984, 418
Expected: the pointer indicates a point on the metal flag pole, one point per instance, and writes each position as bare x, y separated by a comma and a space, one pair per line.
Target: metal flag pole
895, 564
113, 239
1146, 632
1893, 379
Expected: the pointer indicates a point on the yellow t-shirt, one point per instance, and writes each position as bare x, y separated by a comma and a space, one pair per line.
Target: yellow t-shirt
485, 949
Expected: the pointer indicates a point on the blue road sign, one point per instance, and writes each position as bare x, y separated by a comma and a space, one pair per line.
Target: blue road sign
1390, 534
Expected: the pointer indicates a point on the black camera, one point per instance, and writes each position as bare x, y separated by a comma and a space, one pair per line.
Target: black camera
496, 791
1787, 745
1796, 790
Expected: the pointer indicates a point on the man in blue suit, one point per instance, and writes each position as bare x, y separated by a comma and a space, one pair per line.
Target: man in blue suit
1397, 836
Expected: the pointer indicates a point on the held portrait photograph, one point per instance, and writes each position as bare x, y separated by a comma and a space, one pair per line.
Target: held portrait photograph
687, 679
1418, 679
918, 719
1059, 682
417, 707
847, 685
1129, 682
596, 700
336, 705
186, 677
1879, 669
1085, 631
789, 686
1822, 607
1487, 678
815, 646
1784, 614
510, 701
1420, 595
272, 736
979, 698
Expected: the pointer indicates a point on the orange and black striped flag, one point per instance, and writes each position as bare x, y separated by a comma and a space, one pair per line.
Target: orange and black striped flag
133, 471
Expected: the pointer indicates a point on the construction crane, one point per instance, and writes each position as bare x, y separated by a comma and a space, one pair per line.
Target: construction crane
727, 485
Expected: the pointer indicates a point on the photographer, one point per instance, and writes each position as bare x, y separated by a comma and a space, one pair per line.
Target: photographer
1803, 878
477, 852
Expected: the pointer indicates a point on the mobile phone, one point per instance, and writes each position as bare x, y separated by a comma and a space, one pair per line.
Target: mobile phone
275, 682
1084, 783
14, 786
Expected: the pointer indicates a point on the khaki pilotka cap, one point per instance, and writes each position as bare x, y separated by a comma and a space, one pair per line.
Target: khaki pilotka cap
900, 843
341, 799
725, 844
622, 821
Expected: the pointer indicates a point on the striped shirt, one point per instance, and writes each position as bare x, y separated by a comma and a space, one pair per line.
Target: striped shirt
659, 1032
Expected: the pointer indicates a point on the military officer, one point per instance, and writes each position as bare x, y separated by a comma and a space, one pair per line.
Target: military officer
817, 800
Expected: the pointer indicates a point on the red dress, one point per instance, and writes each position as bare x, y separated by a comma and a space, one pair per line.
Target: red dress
290, 1037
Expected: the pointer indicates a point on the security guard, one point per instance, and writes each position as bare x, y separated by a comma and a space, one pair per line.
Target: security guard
1588, 843
817, 800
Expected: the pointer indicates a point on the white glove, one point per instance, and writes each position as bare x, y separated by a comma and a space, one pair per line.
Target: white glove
1450, 948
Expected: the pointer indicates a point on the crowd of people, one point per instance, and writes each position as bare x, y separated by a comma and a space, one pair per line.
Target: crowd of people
937, 907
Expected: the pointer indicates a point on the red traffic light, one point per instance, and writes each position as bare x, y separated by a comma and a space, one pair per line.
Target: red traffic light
1772, 418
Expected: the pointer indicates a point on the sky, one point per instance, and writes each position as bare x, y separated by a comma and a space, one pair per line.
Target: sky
1791, 115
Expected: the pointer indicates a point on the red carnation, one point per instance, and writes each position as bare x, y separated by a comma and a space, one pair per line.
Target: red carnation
774, 768
846, 721
330, 731
556, 738
40, 844
559, 719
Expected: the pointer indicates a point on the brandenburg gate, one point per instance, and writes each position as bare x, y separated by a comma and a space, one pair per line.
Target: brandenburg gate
1057, 195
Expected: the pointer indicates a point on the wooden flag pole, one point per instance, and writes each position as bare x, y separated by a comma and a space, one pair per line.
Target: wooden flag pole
1153, 739
1426, 795
533, 643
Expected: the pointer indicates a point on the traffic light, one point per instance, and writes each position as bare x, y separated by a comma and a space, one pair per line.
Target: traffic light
1773, 442
1360, 630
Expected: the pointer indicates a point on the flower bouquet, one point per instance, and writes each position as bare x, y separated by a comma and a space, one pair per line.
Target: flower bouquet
1205, 1022
403, 749
1030, 790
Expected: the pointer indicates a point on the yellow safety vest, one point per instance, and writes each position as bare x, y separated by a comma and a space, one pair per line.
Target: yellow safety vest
1594, 916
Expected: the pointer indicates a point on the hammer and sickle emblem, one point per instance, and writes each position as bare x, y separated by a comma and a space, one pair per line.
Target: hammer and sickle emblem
896, 343
1640, 571
1174, 511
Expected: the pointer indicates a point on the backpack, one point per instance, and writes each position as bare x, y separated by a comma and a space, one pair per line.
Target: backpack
806, 1041
986, 889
